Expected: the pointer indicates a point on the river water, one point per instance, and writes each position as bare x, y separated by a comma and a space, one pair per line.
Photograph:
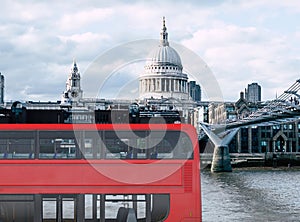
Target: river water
251, 195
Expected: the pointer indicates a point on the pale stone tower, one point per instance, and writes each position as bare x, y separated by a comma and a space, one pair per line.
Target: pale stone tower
73, 92
1, 88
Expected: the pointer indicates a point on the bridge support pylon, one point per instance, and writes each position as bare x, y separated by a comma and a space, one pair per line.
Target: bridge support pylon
221, 159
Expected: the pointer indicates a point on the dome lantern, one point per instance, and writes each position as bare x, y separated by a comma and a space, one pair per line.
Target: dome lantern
164, 34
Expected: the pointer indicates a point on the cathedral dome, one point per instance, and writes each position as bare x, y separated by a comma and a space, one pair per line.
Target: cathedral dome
165, 54
163, 76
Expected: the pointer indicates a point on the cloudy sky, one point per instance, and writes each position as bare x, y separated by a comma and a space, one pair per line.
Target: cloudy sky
240, 41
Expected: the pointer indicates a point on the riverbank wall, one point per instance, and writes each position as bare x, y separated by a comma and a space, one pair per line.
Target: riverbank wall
256, 159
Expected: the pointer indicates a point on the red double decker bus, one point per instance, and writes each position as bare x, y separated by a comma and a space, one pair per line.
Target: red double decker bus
99, 172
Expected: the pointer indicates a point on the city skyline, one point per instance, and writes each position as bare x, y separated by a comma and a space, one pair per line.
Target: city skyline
40, 40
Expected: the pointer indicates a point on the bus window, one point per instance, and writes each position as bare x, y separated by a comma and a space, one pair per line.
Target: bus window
184, 148
144, 206
158, 145
125, 144
17, 145
57, 148
91, 144
49, 207
17, 207
57, 206
96, 207
116, 148
172, 145
88, 148
57, 145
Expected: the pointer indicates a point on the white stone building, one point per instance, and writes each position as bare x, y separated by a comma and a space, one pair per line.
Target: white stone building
163, 76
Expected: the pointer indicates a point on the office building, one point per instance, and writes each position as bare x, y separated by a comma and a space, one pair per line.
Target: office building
253, 93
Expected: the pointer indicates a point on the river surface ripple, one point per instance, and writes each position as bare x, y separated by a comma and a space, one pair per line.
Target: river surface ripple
251, 195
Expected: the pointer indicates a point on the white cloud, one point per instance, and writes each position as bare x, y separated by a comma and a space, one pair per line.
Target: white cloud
83, 17
241, 55
84, 37
24, 11
292, 5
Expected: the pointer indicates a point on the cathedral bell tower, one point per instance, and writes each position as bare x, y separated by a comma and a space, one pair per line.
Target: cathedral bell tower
73, 92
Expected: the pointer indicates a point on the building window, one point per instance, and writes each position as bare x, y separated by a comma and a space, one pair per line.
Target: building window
264, 143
